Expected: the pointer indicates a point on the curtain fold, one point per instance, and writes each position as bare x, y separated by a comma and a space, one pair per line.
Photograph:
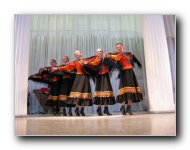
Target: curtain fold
21, 47
170, 26
158, 69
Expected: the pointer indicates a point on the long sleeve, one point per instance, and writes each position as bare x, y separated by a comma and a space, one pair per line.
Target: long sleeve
94, 62
99, 63
68, 67
123, 60
116, 57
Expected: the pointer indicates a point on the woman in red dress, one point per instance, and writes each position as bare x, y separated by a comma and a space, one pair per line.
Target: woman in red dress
80, 94
129, 91
103, 94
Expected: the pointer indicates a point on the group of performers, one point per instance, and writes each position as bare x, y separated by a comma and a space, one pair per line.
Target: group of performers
70, 84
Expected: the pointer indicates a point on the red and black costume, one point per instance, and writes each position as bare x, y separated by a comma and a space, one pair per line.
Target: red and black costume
60, 90
80, 92
103, 94
42, 76
65, 88
54, 94
128, 86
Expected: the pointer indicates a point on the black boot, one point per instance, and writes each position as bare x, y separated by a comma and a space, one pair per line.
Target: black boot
82, 112
128, 110
106, 111
70, 111
99, 111
54, 111
122, 109
57, 111
77, 111
64, 112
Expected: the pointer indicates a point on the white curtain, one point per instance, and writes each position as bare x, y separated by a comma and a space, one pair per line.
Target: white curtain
21, 47
170, 28
53, 36
158, 68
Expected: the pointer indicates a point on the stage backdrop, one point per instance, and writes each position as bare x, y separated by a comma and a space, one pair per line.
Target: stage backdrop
53, 36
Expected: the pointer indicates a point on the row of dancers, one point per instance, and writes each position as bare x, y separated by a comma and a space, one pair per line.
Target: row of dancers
70, 84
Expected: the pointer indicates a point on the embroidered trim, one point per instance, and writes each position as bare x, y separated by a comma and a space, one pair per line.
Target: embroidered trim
129, 90
63, 97
80, 95
103, 94
54, 98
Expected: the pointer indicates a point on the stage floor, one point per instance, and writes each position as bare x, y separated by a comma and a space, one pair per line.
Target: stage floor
139, 124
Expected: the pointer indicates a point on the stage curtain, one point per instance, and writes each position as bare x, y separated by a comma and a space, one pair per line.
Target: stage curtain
170, 28
158, 64
53, 36
21, 53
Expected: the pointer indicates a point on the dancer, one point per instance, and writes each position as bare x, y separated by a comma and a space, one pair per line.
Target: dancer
54, 93
129, 91
103, 94
80, 94
65, 88
43, 75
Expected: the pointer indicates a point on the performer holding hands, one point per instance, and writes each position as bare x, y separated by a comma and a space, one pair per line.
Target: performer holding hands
129, 91
80, 94
54, 93
103, 94
65, 88
43, 74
